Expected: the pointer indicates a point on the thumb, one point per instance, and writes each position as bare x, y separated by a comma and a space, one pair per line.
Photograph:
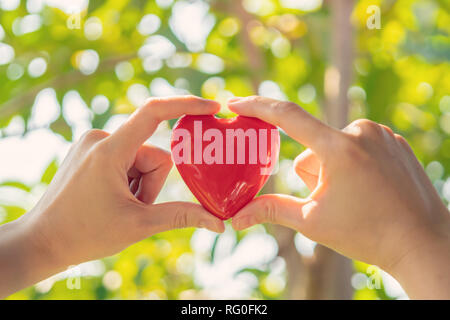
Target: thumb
307, 166
273, 208
176, 215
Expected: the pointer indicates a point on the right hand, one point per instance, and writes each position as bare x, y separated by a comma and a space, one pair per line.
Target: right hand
371, 199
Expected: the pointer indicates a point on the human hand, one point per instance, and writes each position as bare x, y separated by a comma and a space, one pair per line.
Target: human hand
101, 199
371, 200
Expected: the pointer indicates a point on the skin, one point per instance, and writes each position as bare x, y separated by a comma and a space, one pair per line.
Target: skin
101, 200
371, 199
393, 217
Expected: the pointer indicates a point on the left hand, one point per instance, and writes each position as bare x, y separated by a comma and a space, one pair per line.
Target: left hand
101, 199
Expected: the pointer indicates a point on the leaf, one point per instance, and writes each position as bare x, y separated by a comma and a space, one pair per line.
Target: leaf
94, 5
139, 278
381, 86
13, 213
257, 272
172, 123
213, 248
50, 172
16, 184
61, 127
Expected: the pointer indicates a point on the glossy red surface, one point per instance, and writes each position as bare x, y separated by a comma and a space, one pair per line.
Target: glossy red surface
224, 188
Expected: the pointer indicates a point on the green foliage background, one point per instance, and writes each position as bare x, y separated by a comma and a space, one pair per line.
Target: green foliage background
401, 79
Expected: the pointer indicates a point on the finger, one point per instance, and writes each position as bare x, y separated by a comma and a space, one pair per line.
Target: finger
154, 164
175, 215
149, 158
401, 141
273, 208
387, 129
132, 174
295, 121
134, 185
307, 166
144, 121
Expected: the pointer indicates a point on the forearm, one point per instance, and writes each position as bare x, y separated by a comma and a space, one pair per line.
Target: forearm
23, 261
424, 273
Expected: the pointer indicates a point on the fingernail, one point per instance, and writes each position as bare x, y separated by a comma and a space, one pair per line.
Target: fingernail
234, 99
208, 101
235, 106
220, 227
210, 225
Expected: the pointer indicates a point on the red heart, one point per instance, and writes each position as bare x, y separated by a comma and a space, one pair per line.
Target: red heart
224, 162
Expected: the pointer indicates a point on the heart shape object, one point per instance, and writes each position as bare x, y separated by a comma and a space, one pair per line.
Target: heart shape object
224, 162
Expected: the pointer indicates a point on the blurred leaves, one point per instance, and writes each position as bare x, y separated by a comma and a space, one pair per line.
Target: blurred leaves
213, 248
50, 172
16, 184
401, 78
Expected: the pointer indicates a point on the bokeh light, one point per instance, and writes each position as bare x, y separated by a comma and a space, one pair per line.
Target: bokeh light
58, 82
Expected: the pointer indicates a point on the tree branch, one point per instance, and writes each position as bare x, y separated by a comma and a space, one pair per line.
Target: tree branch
330, 273
15, 105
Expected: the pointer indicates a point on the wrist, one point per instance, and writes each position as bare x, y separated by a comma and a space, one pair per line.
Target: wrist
43, 249
28, 255
12, 258
23, 260
422, 270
